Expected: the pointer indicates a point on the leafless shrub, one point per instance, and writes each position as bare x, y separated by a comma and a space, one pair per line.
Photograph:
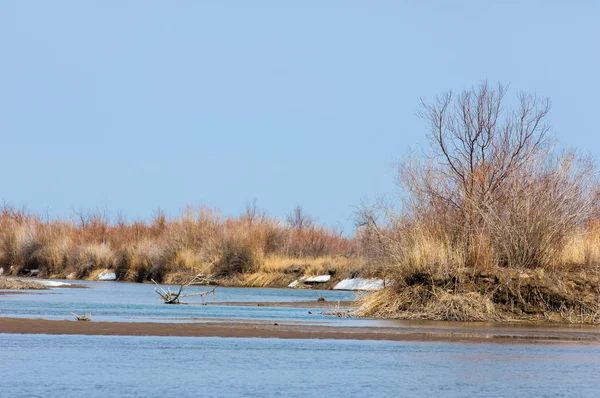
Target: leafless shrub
237, 256
298, 219
541, 209
491, 190
492, 194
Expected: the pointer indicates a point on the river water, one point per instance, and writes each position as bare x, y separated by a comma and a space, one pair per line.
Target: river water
101, 366
134, 302
141, 366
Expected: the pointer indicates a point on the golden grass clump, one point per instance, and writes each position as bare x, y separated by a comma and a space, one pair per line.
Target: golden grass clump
470, 306
100, 254
17, 242
263, 279
341, 266
582, 250
423, 252
20, 284
420, 303
178, 277
188, 259
141, 261
93, 256
237, 255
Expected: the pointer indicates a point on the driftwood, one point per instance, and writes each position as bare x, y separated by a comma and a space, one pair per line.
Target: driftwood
337, 310
85, 317
170, 297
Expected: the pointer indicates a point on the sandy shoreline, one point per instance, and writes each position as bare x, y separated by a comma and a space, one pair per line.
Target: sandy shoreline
263, 329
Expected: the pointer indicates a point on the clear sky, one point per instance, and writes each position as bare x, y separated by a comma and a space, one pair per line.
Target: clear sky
134, 105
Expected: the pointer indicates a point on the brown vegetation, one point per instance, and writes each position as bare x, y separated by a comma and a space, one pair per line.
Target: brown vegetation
497, 224
20, 284
250, 250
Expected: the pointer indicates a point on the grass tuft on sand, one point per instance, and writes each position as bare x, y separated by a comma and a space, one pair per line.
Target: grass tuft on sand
20, 284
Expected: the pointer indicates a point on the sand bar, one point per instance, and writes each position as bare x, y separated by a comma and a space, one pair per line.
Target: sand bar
268, 329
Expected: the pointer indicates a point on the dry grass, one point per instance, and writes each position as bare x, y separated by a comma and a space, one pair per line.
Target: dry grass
17, 241
241, 250
20, 284
497, 294
582, 250
310, 266
142, 261
264, 279
420, 303
179, 277
92, 257
188, 259
237, 255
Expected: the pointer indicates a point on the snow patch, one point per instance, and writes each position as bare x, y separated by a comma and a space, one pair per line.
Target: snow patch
307, 280
318, 279
297, 282
54, 283
294, 284
361, 284
107, 275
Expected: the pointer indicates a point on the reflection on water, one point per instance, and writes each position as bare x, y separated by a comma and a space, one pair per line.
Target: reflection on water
113, 301
100, 366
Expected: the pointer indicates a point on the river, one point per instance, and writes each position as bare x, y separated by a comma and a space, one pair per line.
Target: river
43, 365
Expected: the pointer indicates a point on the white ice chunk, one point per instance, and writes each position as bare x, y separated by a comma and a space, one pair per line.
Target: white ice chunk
360, 284
107, 275
294, 283
55, 283
318, 279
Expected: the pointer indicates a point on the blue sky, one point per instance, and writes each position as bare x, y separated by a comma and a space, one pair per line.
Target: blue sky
133, 105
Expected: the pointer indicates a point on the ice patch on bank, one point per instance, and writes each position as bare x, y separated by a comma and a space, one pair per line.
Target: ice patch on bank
318, 279
361, 284
107, 275
310, 281
54, 283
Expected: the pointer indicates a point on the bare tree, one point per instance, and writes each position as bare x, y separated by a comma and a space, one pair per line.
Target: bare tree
299, 220
252, 211
477, 143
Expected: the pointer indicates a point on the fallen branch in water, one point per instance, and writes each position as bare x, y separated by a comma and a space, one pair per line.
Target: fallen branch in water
170, 297
338, 311
85, 317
